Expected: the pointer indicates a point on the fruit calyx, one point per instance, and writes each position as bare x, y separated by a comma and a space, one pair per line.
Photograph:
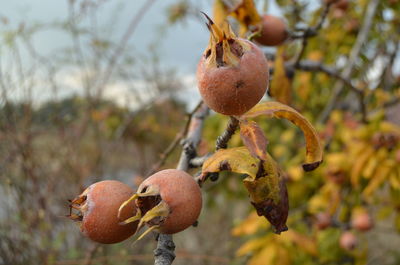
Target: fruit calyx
224, 48
152, 210
79, 204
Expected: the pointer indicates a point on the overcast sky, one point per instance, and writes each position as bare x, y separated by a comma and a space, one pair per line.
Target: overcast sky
180, 47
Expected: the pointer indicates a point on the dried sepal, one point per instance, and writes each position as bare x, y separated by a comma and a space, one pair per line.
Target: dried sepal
271, 109
133, 218
156, 215
224, 48
125, 203
168, 201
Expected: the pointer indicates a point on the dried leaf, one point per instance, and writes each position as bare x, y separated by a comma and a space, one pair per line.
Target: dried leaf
247, 15
254, 139
236, 159
269, 196
265, 182
271, 109
281, 85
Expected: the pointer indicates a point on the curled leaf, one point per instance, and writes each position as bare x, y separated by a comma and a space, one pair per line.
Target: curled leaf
271, 109
237, 160
265, 182
254, 139
269, 196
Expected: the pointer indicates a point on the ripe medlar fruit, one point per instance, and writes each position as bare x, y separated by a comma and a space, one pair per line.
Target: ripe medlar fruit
323, 220
273, 31
97, 208
232, 73
168, 201
361, 220
348, 241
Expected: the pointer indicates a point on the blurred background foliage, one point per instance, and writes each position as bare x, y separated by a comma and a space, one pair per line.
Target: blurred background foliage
50, 149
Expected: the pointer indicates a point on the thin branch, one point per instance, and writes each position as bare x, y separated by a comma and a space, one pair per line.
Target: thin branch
164, 253
312, 66
311, 32
354, 54
199, 161
222, 141
124, 41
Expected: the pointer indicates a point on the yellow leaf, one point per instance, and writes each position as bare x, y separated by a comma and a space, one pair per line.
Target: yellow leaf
237, 159
254, 139
271, 109
281, 86
246, 14
359, 164
253, 245
378, 179
250, 225
265, 182
327, 200
395, 178
266, 256
304, 85
295, 173
220, 12
304, 242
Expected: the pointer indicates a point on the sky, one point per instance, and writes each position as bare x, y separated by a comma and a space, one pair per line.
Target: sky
179, 46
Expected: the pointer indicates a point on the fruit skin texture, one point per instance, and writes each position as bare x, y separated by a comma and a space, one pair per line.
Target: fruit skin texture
100, 222
233, 90
348, 241
183, 196
273, 31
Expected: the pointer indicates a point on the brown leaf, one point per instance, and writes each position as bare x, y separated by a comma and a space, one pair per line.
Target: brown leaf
254, 139
265, 182
271, 109
269, 197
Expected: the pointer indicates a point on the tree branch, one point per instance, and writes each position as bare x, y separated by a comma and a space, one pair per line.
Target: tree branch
222, 141
164, 253
311, 32
354, 54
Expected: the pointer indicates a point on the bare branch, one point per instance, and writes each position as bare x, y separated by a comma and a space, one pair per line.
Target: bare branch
222, 141
164, 253
354, 54
311, 32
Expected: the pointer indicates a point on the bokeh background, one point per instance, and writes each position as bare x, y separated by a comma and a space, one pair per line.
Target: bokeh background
98, 89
